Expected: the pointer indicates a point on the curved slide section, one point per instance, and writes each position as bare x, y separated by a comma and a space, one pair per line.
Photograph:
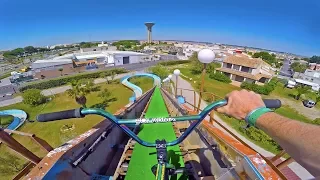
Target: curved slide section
19, 117
137, 91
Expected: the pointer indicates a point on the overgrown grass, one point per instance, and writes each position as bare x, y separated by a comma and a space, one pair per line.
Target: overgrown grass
5, 120
50, 131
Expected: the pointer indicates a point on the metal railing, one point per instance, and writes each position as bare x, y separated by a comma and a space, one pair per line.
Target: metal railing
213, 97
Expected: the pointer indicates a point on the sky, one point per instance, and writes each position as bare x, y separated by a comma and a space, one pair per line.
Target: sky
283, 25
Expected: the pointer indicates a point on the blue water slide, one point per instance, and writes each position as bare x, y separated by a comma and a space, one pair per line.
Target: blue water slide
19, 117
137, 91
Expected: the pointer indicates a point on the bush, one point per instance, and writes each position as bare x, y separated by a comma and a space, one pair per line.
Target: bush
265, 89
33, 97
220, 77
65, 80
316, 121
175, 62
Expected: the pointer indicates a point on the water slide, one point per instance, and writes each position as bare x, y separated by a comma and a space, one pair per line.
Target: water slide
141, 160
137, 91
19, 117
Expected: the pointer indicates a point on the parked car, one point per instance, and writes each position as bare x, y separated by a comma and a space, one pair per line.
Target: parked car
308, 103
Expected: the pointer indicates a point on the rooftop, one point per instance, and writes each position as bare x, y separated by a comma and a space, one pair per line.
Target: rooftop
256, 77
245, 61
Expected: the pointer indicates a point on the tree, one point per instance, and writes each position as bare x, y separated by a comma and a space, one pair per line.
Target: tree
268, 58
30, 49
60, 69
79, 91
297, 67
105, 94
112, 76
315, 59
33, 97
296, 58
301, 90
197, 66
104, 75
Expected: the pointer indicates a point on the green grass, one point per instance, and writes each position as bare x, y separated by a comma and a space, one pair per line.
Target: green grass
141, 161
145, 83
292, 114
5, 75
50, 131
5, 120
219, 88
290, 94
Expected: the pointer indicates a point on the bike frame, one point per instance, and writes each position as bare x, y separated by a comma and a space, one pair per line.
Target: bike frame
122, 123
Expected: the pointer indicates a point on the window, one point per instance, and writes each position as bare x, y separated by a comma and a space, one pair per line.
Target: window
236, 67
227, 65
246, 69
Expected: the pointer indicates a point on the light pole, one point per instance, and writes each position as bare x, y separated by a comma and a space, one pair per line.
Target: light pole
176, 72
205, 56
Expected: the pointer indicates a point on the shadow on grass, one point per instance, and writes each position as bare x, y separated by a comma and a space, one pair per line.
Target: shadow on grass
104, 103
292, 95
96, 89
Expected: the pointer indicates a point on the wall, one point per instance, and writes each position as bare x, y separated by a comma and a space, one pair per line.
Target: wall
54, 72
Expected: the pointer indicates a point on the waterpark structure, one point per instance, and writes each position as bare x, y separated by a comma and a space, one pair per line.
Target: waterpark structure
106, 152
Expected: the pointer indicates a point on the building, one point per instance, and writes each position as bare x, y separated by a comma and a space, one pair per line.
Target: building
311, 76
79, 62
242, 68
314, 66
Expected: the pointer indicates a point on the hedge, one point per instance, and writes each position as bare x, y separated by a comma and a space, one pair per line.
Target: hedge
170, 63
220, 77
65, 80
265, 89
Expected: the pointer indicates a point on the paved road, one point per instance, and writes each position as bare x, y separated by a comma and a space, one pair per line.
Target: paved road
297, 168
285, 69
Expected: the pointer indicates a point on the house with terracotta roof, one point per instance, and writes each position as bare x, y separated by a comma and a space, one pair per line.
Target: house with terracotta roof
243, 68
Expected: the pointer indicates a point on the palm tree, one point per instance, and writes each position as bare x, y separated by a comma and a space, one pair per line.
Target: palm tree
301, 90
79, 91
104, 75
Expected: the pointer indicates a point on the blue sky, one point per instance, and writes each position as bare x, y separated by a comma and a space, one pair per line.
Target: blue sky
284, 25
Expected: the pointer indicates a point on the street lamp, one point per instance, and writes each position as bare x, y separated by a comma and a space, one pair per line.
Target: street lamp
205, 56
176, 72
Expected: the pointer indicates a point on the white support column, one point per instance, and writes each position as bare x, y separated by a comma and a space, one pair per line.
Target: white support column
231, 66
240, 68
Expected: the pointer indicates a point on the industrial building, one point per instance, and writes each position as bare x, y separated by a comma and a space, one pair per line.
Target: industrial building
79, 62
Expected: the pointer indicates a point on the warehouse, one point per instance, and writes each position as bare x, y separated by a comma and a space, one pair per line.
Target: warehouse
79, 62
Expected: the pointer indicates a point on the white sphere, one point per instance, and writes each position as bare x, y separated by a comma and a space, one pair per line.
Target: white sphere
176, 72
170, 76
206, 56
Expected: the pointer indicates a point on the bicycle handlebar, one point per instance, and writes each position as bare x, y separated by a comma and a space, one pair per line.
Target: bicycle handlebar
121, 123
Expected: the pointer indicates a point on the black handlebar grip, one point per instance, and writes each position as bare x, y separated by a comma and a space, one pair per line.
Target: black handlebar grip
272, 103
68, 114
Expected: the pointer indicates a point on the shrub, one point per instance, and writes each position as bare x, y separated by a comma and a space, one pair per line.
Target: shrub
265, 89
220, 77
65, 80
33, 97
175, 62
316, 121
